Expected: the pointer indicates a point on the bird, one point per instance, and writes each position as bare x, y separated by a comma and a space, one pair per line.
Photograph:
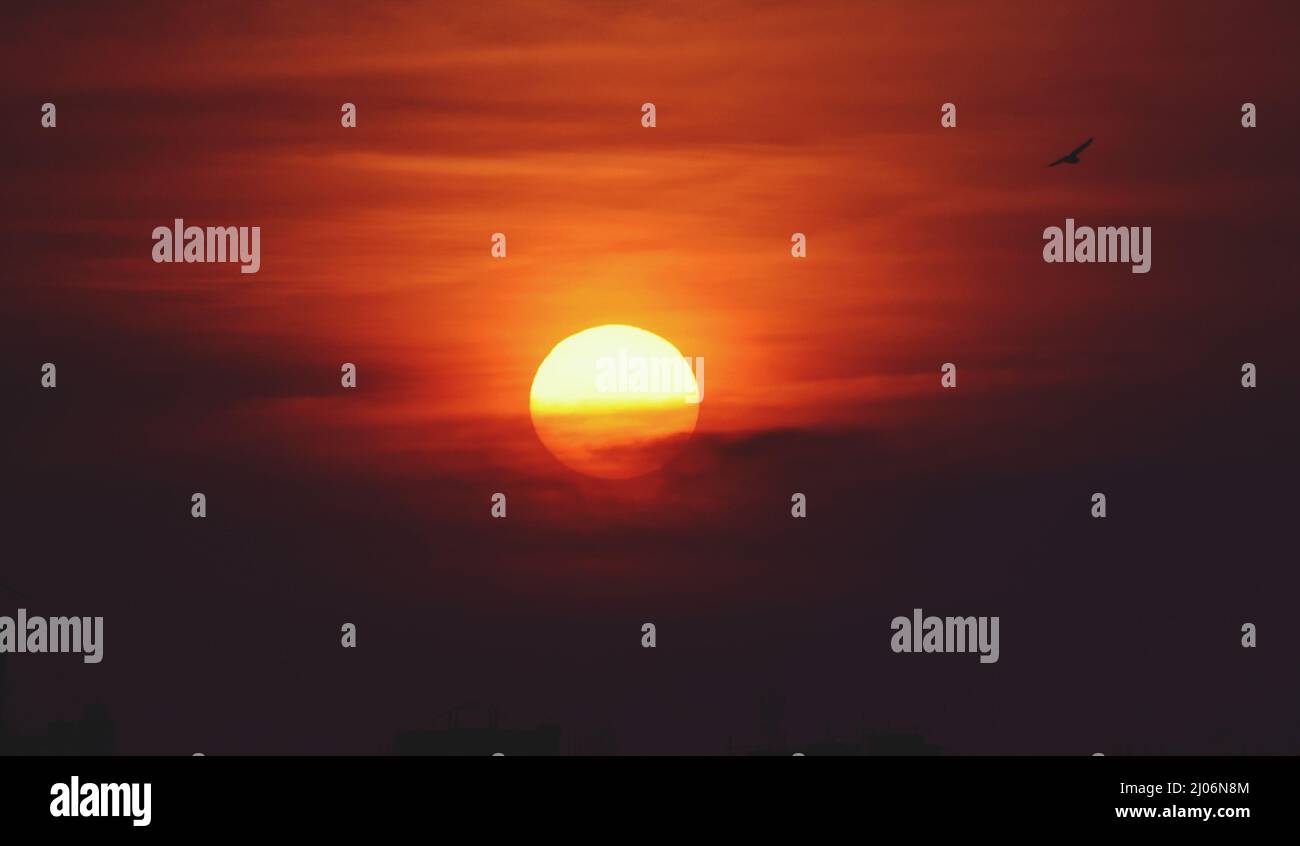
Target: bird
1072, 158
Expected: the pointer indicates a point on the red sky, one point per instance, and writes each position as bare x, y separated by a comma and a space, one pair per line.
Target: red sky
924, 247
524, 118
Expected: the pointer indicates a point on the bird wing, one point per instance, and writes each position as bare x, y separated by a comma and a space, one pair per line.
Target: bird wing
1058, 161
1081, 147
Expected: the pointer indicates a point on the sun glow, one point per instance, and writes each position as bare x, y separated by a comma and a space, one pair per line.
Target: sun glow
615, 401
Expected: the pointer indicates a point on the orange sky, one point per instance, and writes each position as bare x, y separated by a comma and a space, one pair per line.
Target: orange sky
524, 118
822, 374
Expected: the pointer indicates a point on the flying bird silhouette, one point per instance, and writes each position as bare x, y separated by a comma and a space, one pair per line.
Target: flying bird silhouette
1073, 158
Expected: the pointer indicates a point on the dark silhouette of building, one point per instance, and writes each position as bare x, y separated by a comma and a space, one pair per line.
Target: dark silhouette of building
474, 730
771, 720
875, 744
92, 734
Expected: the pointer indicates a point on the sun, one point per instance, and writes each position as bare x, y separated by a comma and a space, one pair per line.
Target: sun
615, 401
